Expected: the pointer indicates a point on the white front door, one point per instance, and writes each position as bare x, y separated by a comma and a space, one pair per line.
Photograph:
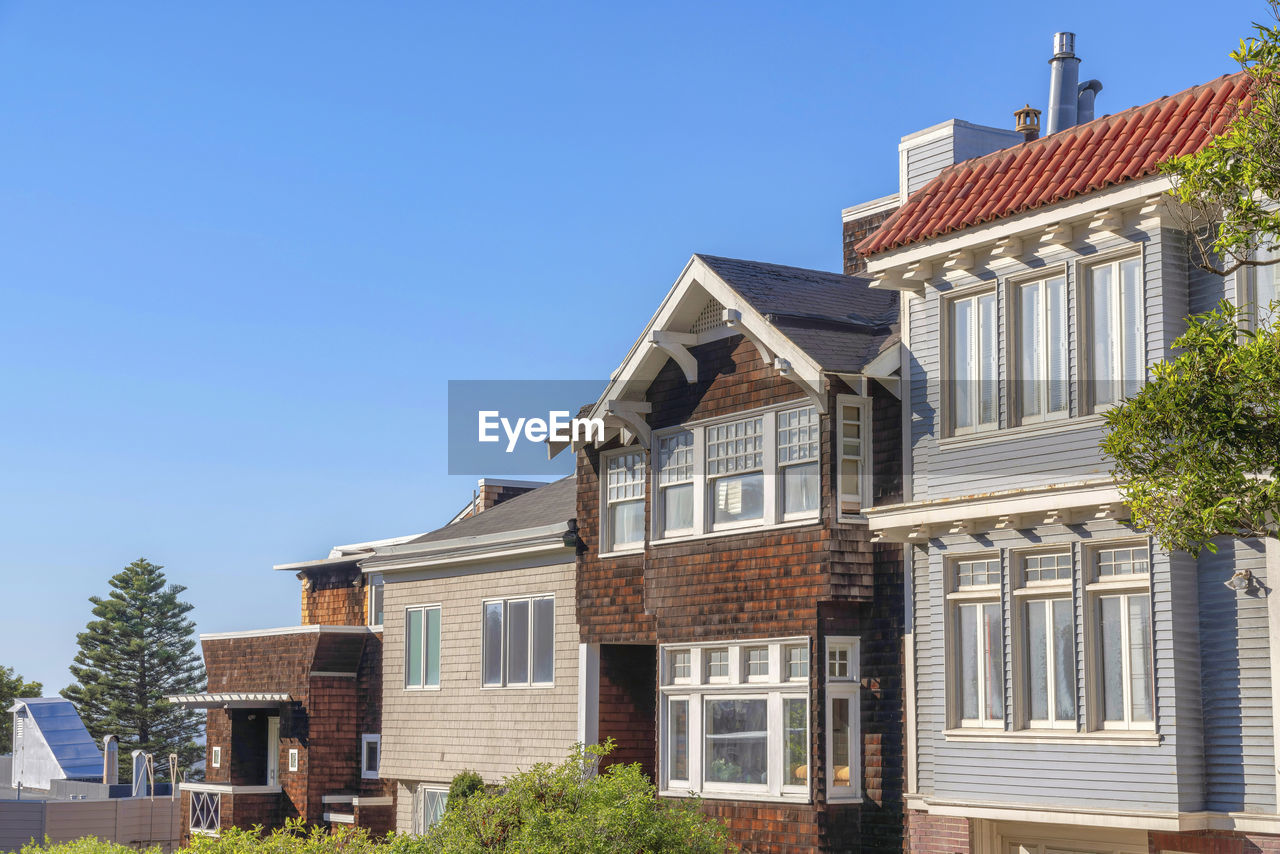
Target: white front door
273, 750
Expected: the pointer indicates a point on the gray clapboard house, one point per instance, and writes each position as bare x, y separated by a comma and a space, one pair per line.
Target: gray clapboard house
1072, 687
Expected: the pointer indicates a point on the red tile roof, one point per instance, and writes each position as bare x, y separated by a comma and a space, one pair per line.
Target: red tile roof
1082, 159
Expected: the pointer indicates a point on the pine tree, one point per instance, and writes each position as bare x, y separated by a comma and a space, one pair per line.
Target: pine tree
12, 686
139, 650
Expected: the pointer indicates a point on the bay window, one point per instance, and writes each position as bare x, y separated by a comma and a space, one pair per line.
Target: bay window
1047, 674
1118, 351
1042, 349
976, 649
422, 647
624, 500
1120, 606
973, 370
518, 636
734, 722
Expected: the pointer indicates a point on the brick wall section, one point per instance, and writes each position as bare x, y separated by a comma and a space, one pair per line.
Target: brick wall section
936, 834
854, 231
628, 703
332, 597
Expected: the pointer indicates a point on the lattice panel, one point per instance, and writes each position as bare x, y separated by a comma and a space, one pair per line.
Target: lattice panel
711, 317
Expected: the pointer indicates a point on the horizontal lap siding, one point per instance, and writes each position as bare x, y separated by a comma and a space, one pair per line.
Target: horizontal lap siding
930, 690
20, 823
1239, 750
432, 735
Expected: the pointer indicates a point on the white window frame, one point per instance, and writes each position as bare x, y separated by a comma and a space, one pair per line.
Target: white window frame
424, 797
846, 687
1018, 381
976, 341
957, 597
665, 480
293, 759
506, 601
422, 677
1099, 587
854, 497
215, 756
377, 590
785, 672
1041, 590
1249, 299
815, 425
737, 686
365, 740
1088, 336
608, 545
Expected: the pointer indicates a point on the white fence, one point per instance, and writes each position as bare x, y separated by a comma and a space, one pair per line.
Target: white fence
142, 822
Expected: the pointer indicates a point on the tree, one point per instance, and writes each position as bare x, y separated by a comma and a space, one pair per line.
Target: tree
12, 686
139, 650
571, 809
1227, 188
1197, 450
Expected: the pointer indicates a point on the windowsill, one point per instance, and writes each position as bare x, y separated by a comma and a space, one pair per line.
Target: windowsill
367, 776
534, 687
722, 795
629, 550
1026, 431
417, 688
1097, 737
745, 529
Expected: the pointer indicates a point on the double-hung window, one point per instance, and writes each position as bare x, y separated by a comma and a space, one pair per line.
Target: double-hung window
735, 719
735, 471
1118, 353
1048, 650
422, 646
1119, 597
973, 370
1262, 286
843, 675
797, 434
676, 487
976, 648
1042, 349
519, 642
853, 445
624, 500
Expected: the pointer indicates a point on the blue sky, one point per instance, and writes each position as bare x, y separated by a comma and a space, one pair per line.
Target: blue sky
243, 247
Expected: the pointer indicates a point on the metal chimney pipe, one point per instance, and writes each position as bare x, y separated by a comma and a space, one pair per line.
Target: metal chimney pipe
110, 760
1089, 90
1064, 78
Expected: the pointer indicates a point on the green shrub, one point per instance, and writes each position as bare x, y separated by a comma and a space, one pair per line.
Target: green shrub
86, 845
464, 785
294, 838
570, 809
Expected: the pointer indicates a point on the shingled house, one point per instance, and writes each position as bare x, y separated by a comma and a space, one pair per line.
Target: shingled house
741, 634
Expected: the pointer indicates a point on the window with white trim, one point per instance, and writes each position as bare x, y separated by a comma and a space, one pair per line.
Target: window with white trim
730, 730
376, 589
843, 719
519, 642
972, 369
976, 647
676, 483
797, 661
624, 500
1118, 363
735, 471
1046, 632
422, 646
429, 804
370, 755
1119, 605
215, 757
1042, 349
1260, 301
797, 434
853, 444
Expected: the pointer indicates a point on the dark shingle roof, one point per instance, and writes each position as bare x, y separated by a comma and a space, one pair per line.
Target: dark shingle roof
838, 320
547, 505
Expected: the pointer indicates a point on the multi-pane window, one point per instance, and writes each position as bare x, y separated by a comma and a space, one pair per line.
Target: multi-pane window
970, 573
1118, 354
676, 489
1042, 348
422, 647
742, 726
797, 434
519, 642
973, 370
977, 646
1120, 601
843, 674
624, 499
853, 438
429, 803
1047, 676
376, 590
735, 470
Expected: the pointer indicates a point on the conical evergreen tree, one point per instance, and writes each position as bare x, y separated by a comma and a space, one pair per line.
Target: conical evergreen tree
139, 649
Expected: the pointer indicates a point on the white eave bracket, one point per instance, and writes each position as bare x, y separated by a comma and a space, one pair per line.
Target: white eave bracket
629, 417
676, 345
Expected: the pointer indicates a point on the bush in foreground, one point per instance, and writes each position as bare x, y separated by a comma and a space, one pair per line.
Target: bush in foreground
570, 809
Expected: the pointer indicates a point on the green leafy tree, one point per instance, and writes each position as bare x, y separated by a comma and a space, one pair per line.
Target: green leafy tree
571, 809
1225, 189
139, 649
1197, 450
12, 686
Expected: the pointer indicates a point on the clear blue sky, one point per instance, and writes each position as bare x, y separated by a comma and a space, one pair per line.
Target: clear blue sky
244, 246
